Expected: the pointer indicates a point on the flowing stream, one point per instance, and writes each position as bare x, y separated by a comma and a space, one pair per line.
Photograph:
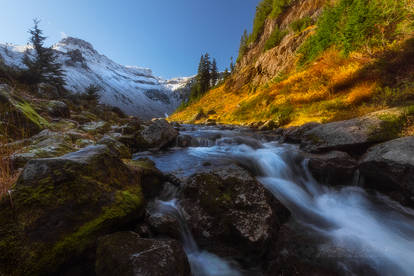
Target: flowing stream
364, 229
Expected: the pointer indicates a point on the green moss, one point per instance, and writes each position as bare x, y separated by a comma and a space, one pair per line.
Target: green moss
391, 128
127, 203
301, 24
32, 115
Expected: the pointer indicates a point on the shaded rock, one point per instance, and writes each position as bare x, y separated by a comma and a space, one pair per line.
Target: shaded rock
61, 205
164, 224
158, 134
154, 135
389, 167
84, 117
184, 141
298, 252
151, 179
334, 168
126, 254
58, 109
119, 149
18, 119
295, 134
355, 135
230, 213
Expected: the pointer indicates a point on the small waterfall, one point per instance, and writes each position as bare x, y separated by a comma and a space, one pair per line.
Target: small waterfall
202, 262
366, 229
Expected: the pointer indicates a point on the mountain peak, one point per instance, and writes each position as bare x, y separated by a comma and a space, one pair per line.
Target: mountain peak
72, 43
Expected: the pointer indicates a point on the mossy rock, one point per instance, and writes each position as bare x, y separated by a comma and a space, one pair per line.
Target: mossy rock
61, 205
18, 118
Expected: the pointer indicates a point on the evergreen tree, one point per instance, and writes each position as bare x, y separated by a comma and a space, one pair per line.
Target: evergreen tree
214, 73
42, 67
231, 65
244, 42
91, 94
226, 73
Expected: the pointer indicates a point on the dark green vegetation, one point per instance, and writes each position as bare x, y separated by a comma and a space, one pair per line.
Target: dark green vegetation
275, 38
301, 24
352, 24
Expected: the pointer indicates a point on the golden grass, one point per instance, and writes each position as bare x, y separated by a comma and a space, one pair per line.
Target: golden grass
333, 88
8, 176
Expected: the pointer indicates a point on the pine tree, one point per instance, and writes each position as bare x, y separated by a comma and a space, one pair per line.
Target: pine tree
244, 42
214, 73
226, 73
43, 66
231, 65
91, 94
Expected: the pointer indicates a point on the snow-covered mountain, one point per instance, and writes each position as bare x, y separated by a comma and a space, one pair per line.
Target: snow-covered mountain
133, 89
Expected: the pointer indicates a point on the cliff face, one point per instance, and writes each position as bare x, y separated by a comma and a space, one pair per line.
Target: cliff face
263, 65
317, 61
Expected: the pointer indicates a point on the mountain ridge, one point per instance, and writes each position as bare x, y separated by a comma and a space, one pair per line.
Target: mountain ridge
133, 89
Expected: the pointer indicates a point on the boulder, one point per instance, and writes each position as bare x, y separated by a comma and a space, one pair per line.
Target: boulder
151, 179
230, 213
333, 168
46, 144
119, 149
18, 119
295, 134
355, 135
200, 115
58, 109
153, 135
126, 254
158, 133
184, 141
61, 205
389, 167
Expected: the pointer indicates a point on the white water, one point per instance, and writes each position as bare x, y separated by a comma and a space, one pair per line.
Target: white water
362, 229
202, 262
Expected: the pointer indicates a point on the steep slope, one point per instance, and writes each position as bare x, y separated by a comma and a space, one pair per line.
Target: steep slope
135, 90
317, 60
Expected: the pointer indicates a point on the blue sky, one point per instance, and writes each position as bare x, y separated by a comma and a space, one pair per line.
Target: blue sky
167, 36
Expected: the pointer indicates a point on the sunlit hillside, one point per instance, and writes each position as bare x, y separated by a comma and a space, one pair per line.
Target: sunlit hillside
346, 66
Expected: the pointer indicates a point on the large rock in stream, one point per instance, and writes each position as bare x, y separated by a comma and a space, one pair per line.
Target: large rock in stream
60, 206
389, 167
126, 254
354, 135
155, 135
230, 213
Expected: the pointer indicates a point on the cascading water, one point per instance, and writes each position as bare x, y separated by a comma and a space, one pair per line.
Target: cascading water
202, 262
369, 230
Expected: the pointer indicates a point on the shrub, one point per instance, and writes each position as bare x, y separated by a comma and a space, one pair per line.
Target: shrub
301, 24
275, 38
262, 12
352, 24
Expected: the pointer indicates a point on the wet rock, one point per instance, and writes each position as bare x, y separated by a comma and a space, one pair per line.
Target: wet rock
126, 254
58, 109
184, 141
230, 213
211, 122
151, 179
164, 224
18, 119
389, 167
297, 252
333, 168
61, 205
154, 135
355, 135
119, 149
